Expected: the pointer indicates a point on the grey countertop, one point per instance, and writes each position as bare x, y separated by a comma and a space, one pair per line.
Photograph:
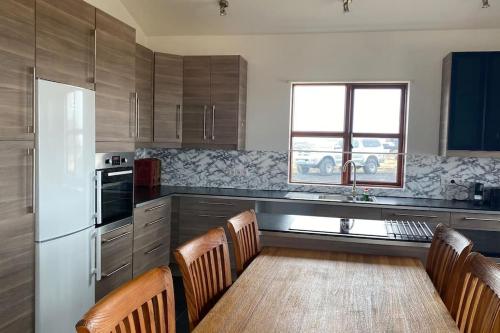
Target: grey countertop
144, 195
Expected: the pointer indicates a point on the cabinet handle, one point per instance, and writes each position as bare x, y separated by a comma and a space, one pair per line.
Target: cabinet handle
32, 128
216, 203
213, 122
203, 215
221, 216
137, 115
122, 267
480, 219
177, 120
422, 216
32, 152
155, 222
105, 241
154, 249
204, 122
155, 208
95, 59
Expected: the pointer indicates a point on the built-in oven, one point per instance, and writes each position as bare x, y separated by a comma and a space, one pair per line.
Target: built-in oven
114, 189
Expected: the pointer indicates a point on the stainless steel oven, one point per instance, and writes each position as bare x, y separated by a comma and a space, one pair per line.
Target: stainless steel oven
114, 190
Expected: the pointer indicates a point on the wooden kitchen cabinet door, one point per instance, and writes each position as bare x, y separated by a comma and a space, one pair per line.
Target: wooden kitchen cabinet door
115, 80
168, 99
195, 120
65, 46
17, 253
17, 61
144, 69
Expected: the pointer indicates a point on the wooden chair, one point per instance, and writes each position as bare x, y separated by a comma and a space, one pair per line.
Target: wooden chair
145, 304
447, 255
206, 272
477, 309
244, 231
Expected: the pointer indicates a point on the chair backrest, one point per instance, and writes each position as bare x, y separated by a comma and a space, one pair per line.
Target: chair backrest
477, 309
446, 258
206, 272
244, 231
145, 304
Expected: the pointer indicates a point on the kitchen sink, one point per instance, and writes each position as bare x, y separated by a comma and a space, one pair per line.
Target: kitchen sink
329, 197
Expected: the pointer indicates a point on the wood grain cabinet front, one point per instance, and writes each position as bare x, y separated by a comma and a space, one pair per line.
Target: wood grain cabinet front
144, 68
485, 222
116, 260
65, 42
152, 231
215, 90
115, 83
17, 242
197, 215
168, 100
17, 62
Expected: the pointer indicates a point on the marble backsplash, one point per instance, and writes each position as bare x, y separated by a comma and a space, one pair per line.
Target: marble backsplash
426, 176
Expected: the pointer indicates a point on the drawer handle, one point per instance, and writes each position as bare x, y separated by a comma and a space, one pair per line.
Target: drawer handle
154, 222
216, 216
155, 208
122, 267
478, 219
409, 215
216, 203
154, 249
203, 215
105, 241
222, 217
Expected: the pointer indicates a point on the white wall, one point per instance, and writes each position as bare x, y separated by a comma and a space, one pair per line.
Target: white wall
275, 59
116, 9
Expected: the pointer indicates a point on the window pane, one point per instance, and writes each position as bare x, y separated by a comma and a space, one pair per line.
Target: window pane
318, 108
377, 110
316, 160
376, 159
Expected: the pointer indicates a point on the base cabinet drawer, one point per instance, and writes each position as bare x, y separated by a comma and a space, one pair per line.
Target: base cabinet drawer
116, 260
113, 279
215, 206
152, 233
486, 222
152, 256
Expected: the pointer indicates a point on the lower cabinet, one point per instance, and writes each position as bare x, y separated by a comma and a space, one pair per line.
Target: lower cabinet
152, 235
198, 214
116, 260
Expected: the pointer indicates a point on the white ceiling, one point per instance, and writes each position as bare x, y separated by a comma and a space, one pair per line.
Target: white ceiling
201, 17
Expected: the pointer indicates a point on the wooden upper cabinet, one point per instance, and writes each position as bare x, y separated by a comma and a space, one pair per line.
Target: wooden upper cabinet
214, 102
168, 99
17, 240
144, 68
115, 80
196, 100
65, 46
470, 104
17, 61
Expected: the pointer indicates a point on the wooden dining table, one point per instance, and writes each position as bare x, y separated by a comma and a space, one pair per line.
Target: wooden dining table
292, 290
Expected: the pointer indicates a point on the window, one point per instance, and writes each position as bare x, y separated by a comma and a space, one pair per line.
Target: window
334, 123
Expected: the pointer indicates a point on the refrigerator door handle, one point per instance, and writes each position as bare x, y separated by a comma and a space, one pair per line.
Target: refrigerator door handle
98, 201
97, 270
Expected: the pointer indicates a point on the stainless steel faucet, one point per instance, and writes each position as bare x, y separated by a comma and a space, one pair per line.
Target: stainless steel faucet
344, 169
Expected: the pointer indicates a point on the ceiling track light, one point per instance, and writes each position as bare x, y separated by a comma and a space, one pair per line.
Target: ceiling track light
348, 2
486, 4
223, 4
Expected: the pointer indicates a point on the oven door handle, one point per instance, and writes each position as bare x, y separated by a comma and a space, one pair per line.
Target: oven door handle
98, 196
120, 173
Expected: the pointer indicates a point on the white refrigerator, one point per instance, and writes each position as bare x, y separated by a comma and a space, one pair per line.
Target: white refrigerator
64, 206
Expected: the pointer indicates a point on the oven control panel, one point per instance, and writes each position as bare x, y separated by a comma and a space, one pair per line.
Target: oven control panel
113, 160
